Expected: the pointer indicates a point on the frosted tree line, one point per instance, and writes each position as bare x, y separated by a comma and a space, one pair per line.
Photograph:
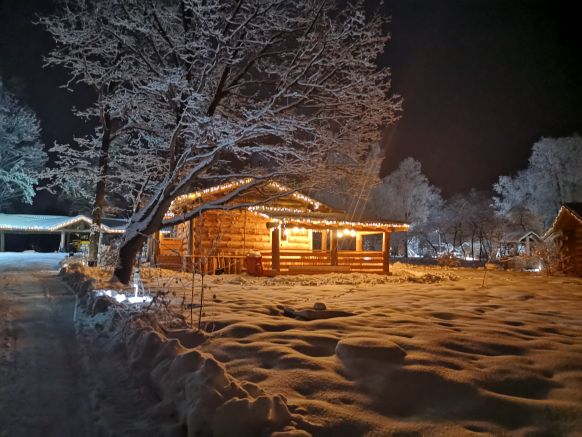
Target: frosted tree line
553, 177
21, 151
192, 94
405, 195
472, 225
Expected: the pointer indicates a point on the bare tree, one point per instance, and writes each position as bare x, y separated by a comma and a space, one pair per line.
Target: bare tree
235, 89
112, 163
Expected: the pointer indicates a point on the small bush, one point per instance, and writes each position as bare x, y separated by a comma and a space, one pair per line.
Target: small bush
448, 260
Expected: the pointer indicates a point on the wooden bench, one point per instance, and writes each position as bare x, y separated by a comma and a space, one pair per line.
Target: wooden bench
314, 270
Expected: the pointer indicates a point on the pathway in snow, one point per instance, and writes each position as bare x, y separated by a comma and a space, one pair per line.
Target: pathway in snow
41, 382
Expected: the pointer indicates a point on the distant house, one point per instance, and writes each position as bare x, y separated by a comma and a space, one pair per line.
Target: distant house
294, 233
63, 226
519, 243
566, 233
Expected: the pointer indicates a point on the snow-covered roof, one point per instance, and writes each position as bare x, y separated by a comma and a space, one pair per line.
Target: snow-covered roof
293, 208
327, 220
574, 209
231, 185
519, 236
46, 223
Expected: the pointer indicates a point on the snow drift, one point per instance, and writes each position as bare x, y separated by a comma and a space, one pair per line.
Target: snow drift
191, 385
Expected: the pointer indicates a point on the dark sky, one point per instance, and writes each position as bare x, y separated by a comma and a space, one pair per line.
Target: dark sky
482, 80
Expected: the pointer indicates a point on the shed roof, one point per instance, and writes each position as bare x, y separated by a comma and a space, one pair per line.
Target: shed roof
572, 210
47, 223
519, 236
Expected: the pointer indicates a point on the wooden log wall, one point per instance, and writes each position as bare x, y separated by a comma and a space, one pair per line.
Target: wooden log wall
236, 233
578, 251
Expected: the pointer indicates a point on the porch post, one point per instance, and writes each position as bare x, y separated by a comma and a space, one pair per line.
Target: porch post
156, 247
2, 242
276, 250
190, 247
333, 247
386, 252
63, 242
324, 240
99, 247
359, 245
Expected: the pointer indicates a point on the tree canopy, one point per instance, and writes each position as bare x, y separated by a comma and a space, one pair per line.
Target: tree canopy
21, 151
229, 89
553, 177
406, 194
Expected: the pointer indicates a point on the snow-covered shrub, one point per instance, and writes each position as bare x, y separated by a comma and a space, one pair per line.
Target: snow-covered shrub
448, 260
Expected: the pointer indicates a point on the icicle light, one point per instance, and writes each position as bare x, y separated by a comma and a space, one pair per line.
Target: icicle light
17, 222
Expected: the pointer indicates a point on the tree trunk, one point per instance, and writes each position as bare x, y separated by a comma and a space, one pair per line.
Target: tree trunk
147, 221
100, 189
127, 254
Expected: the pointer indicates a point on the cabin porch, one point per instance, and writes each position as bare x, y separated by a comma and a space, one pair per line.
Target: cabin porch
173, 253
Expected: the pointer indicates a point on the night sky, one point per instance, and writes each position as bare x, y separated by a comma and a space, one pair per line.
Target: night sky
482, 80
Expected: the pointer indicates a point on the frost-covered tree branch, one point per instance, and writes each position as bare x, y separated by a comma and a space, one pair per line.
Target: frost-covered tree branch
21, 152
227, 87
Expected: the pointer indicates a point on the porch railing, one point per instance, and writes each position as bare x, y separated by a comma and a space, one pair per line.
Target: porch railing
171, 255
367, 261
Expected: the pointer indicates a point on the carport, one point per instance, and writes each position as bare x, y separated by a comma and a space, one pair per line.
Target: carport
49, 224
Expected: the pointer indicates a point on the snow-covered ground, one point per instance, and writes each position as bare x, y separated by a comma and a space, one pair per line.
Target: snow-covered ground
426, 352
43, 391
21, 261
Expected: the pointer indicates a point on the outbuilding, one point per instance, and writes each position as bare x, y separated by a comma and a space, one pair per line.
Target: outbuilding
566, 234
63, 226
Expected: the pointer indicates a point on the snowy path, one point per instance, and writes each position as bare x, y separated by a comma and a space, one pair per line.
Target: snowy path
41, 382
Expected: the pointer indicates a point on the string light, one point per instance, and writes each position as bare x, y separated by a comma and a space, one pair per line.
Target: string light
295, 194
214, 189
53, 227
276, 209
271, 212
331, 223
237, 183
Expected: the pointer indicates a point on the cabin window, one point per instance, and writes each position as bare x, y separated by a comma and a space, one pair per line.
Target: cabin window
296, 238
169, 231
316, 241
346, 242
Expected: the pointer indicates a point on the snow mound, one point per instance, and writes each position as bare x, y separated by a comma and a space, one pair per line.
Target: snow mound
207, 400
418, 355
366, 348
191, 385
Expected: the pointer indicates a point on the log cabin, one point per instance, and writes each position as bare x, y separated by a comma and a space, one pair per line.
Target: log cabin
293, 233
566, 234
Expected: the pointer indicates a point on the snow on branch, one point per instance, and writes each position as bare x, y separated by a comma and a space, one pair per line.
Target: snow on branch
226, 87
21, 152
